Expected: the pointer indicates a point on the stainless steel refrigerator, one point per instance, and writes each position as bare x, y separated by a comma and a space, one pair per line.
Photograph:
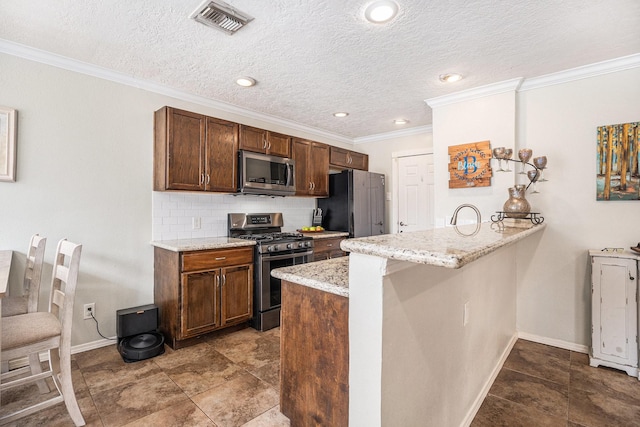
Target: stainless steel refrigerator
355, 203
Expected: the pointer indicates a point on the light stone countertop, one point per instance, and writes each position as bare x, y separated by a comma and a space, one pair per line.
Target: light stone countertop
202, 243
450, 247
327, 234
330, 276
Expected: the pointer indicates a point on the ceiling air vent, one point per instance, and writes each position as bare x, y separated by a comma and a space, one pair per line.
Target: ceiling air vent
221, 16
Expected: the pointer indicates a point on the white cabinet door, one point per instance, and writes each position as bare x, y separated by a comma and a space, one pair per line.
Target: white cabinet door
614, 313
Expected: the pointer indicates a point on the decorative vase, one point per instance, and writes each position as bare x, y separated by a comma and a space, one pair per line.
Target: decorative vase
516, 206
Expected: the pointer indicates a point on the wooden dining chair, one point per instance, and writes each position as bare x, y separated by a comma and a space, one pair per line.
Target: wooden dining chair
32, 333
28, 301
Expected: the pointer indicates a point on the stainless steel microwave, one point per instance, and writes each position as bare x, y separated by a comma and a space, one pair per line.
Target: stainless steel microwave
263, 174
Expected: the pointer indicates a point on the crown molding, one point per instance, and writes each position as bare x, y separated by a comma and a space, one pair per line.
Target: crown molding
475, 93
394, 134
59, 61
586, 71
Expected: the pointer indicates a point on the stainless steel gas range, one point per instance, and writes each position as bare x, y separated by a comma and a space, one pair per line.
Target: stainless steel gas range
274, 249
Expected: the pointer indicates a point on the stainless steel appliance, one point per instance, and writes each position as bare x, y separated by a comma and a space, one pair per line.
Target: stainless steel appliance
274, 249
355, 203
264, 174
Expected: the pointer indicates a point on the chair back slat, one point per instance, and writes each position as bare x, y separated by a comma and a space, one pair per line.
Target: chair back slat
62, 273
58, 298
63, 286
33, 271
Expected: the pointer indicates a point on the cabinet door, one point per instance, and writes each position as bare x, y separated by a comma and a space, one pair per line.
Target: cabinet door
253, 139
199, 312
221, 158
300, 151
339, 157
237, 294
358, 161
278, 144
184, 149
614, 310
319, 165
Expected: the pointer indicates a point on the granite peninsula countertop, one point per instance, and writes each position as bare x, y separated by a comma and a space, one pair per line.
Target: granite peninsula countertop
330, 276
450, 247
202, 243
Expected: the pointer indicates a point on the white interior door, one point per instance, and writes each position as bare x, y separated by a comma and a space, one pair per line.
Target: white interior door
415, 193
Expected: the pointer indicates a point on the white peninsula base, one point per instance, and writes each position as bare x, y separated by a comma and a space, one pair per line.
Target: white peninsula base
426, 342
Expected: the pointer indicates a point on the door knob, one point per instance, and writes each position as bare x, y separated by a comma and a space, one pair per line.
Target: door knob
402, 224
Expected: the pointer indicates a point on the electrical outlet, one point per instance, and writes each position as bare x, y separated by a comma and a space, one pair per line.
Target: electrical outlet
196, 223
89, 309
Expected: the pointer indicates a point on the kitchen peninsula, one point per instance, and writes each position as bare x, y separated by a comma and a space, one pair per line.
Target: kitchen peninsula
423, 324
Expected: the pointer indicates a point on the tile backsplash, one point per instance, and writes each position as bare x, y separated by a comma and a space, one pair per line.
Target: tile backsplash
174, 213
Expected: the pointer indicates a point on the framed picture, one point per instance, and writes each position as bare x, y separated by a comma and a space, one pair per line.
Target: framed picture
470, 165
618, 158
7, 144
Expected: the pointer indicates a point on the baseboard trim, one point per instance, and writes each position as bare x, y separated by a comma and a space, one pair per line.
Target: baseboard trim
93, 345
578, 348
477, 403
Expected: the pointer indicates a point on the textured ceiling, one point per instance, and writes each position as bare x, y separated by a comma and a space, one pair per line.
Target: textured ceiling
313, 58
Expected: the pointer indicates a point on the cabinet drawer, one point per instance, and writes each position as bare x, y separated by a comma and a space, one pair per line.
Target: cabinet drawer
205, 260
326, 245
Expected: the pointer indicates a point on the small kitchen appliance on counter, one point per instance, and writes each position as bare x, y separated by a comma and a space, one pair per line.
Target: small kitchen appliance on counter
317, 217
138, 336
274, 249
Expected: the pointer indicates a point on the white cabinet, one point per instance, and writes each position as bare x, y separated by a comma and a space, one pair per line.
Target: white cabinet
614, 310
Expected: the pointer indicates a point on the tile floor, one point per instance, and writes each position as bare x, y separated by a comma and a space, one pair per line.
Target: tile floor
547, 386
233, 380
229, 380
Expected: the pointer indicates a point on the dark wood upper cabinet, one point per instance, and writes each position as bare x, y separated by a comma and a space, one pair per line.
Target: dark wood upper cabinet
178, 150
264, 141
347, 159
311, 167
222, 155
194, 152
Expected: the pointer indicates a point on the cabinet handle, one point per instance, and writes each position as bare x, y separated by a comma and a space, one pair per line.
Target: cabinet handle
221, 258
268, 145
329, 244
310, 185
208, 179
224, 279
264, 144
631, 277
201, 178
217, 281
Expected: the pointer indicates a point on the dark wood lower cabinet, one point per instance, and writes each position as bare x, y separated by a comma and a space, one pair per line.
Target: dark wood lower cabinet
327, 249
202, 291
314, 357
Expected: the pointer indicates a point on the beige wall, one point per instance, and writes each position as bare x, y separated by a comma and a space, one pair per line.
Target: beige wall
84, 172
558, 121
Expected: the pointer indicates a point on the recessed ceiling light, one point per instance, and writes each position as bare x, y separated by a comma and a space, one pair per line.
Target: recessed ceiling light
246, 81
450, 78
341, 114
401, 121
381, 11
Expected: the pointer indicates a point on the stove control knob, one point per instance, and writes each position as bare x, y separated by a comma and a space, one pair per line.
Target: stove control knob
289, 245
301, 244
307, 244
271, 248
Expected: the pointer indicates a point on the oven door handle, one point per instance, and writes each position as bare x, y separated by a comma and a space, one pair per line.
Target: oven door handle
287, 256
